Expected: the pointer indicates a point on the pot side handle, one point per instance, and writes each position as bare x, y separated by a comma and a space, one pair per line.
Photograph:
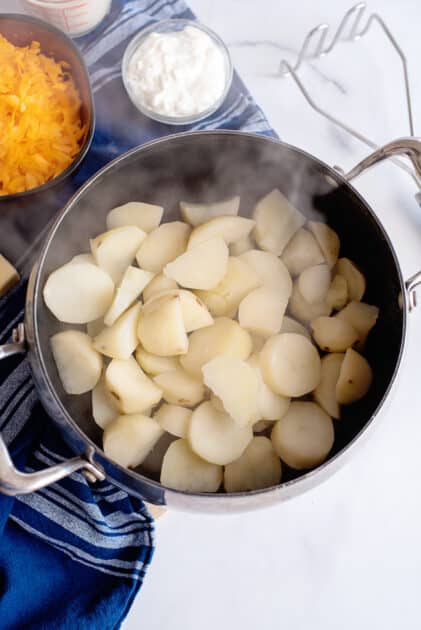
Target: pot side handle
12, 481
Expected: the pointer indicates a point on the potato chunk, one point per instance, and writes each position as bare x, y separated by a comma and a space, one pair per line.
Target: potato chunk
290, 325
237, 282
119, 341
355, 378
230, 229
325, 392
79, 365
157, 285
201, 267
290, 365
179, 388
271, 406
153, 364
199, 213
236, 385
184, 470
303, 310
129, 439
115, 250
276, 222
337, 295
164, 244
161, 327
131, 286
270, 270
328, 241
78, 293
131, 389
224, 337
258, 467
262, 311
104, 410
354, 278
362, 317
145, 216
301, 252
216, 437
332, 334
174, 419
195, 312
304, 436
314, 283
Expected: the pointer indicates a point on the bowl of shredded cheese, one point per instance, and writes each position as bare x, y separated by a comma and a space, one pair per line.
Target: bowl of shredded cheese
46, 106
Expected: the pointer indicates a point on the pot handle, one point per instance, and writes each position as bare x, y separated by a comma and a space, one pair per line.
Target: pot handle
411, 147
12, 481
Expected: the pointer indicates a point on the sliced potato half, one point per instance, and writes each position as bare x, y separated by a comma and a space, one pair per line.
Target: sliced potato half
157, 285
195, 312
337, 295
271, 406
199, 213
216, 437
262, 311
128, 439
184, 470
328, 241
131, 286
161, 327
119, 341
153, 364
354, 278
229, 228
145, 216
132, 391
276, 222
301, 252
304, 437
325, 392
115, 250
164, 244
79, 365
201, 267
179, 388
303, 310
258, 467
104, 410
314, 283
332, 334
174, 419
270, 270
355, 378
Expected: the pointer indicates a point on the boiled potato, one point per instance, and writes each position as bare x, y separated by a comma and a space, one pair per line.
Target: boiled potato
131, 389
94, 328
104, 410
328, 241
82, 258
164, 244
290, 325
261, 312
131, 286
237, 282
179, 388
301, 252
290, 365
174, 419
337, 295
229, 228
332, 334
78, 293
184, 470
236, 384
270, 270
195, 312
129, 439
271, 406
354, 278
314, 283
304, 436
241, 246
224, 337
202, 267
115, 250
325, 392
303, 310
258, 467
355, 378
79, 365
199, 213
161, 327
145, 216
276, 222
153, 364
119, 341
216, 437
159, 284
153, 460
362, 317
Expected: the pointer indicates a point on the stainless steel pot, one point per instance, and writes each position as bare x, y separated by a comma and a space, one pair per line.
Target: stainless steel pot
206, 166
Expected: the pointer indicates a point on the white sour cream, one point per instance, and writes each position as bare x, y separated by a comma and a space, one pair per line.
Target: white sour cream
178, 74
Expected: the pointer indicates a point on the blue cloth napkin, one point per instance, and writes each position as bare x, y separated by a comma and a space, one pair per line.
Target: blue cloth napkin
74, 555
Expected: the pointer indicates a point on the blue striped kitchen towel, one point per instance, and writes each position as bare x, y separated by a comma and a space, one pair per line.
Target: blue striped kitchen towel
74, 555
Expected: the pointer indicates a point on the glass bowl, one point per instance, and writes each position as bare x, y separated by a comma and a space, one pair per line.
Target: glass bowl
172, 26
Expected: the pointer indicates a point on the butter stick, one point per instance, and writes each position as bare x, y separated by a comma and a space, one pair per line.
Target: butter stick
8, 276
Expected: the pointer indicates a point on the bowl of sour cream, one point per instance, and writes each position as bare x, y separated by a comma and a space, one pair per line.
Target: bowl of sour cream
177, 71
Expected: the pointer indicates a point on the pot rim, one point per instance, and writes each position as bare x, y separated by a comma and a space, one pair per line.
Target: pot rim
316, 475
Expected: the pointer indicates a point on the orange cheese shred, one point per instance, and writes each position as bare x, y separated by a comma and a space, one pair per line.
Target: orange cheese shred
41, 131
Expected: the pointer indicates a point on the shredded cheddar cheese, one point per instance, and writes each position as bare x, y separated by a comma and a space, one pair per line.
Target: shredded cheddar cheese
41, 131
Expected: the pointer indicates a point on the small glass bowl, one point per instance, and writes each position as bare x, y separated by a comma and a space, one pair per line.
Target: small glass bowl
172, 26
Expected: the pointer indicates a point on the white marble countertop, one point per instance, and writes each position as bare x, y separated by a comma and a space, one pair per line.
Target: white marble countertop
348, 554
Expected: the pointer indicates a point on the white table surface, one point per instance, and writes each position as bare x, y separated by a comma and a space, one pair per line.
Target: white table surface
348, 554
